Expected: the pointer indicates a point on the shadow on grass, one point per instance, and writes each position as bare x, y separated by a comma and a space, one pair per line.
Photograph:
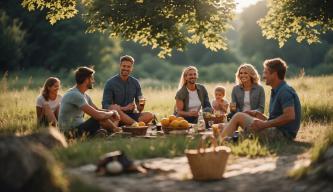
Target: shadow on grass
286, 147
260, 147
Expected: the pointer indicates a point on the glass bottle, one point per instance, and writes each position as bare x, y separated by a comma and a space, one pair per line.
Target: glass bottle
201, 122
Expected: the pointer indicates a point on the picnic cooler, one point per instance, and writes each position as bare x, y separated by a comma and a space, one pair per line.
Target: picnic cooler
208, 163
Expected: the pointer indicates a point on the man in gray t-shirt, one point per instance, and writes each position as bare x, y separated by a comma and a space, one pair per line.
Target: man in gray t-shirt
71, 113
76, 102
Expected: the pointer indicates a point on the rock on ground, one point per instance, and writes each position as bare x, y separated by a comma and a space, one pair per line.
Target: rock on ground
27, 165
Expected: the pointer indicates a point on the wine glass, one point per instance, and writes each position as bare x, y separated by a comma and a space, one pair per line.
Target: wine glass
210, 123
233, 107
142, 102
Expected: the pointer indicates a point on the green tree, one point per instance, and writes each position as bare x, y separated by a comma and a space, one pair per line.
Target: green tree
12, 42
63, 46
307, 19
165, 24
256, 47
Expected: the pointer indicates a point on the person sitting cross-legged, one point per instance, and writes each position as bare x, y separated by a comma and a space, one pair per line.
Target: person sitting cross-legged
75, 103
248, 94
191, 96
122, 92
48, 103
284, 107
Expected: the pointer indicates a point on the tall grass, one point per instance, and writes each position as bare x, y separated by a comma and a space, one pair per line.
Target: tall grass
321, 145
4, 83
315, 93
17, 112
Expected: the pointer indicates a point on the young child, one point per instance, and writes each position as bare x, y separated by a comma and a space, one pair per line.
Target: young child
219, 103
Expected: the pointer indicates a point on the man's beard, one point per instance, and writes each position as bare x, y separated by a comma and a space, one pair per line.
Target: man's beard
124, 73
267, 82
90, 86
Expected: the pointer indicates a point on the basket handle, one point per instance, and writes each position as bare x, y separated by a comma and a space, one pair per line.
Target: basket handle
202, 143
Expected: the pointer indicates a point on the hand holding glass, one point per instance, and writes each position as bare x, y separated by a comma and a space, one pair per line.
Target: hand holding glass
142, 102
233, 107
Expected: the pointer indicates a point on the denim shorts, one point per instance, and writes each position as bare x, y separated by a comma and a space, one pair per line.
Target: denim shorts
89, 127
134, 116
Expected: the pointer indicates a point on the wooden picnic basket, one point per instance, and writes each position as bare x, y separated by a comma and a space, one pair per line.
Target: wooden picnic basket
215, 119
208, 163
135, 131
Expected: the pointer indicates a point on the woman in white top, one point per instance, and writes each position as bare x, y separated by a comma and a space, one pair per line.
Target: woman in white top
248, 95
191, 96
47, 104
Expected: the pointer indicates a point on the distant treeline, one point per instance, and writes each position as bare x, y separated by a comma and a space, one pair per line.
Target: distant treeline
28, 41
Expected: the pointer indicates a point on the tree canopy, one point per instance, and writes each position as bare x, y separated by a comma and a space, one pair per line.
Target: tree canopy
306, 19
29, 42
169, 24
164, 24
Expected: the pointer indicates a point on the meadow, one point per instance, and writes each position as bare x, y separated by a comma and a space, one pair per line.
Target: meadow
18, 116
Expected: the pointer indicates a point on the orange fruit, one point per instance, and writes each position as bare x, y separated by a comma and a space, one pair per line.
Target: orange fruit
180, 118
172, 117
174, 124
183, 124
165, 122
141, 123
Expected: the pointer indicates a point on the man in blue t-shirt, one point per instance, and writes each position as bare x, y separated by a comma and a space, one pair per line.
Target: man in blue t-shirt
122, 92
284, 107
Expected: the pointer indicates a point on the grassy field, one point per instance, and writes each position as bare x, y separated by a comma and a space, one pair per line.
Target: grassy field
17, 115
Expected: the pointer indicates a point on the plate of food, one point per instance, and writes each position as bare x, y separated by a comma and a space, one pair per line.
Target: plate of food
174, 124
214, 117
136, 129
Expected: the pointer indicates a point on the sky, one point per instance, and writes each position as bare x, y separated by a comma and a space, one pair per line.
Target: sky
241, 4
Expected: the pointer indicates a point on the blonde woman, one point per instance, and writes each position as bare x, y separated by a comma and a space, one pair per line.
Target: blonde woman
248, 94
191, 96
47, 104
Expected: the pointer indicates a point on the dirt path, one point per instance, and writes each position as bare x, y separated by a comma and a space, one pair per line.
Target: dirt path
242, 174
